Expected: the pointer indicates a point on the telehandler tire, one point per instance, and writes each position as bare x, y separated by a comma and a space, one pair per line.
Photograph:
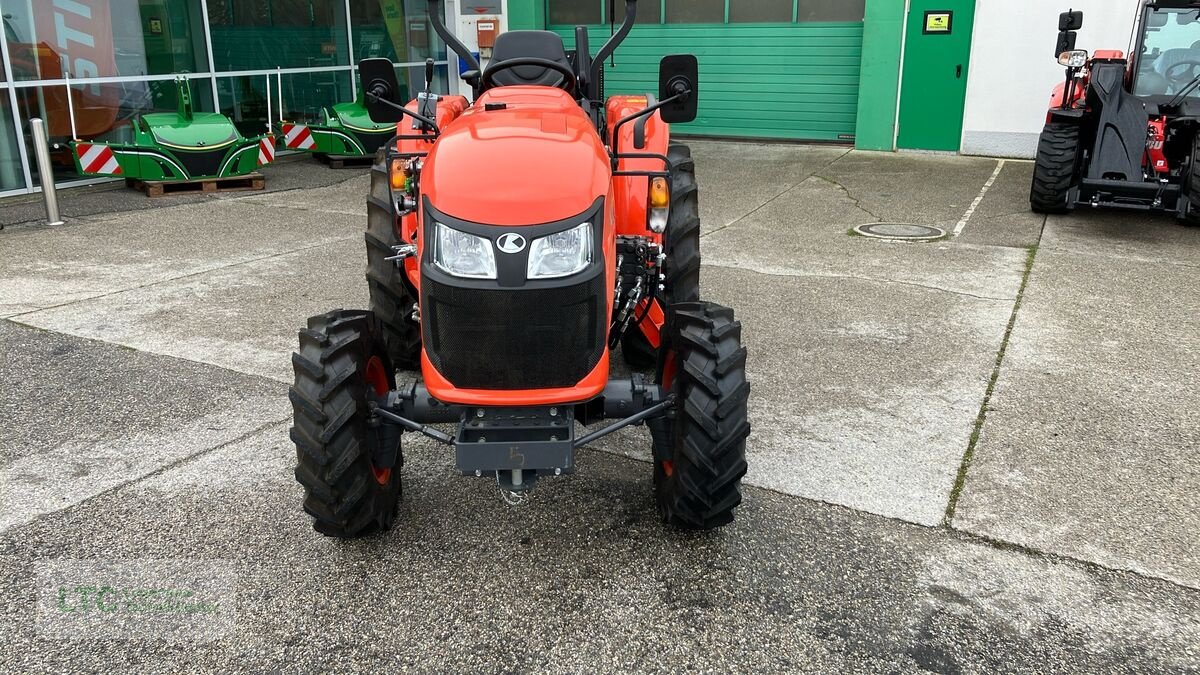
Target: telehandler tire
391, 298
341, 364
1054, 171
1191, 212
681, 243
700, 462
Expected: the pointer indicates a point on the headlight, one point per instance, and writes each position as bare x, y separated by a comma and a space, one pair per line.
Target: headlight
561, 254
1073, 59
462, 254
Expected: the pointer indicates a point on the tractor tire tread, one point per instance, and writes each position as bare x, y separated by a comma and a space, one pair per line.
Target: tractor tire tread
1055, 169
711, 419
329, 402
391, 299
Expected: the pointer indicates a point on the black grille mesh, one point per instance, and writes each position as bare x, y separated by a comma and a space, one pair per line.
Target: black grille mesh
514, 338
202, 163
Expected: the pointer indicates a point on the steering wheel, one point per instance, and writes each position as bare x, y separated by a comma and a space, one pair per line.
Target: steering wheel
1181, 74
567, 83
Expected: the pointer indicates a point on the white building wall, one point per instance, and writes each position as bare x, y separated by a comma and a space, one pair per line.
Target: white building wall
1012, 70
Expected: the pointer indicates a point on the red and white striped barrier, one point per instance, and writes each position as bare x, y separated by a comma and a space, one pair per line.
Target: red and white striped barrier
297, 137
266, 151
95, 158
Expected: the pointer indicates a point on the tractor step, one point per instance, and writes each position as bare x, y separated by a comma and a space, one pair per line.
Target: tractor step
162, 188
345, 161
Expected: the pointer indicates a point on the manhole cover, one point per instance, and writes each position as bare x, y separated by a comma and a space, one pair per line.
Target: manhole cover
900, 231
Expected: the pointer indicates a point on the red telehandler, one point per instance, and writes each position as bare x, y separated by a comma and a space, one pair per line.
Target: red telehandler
1121, 131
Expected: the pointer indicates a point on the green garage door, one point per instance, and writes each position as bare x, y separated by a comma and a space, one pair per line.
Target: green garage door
768, 68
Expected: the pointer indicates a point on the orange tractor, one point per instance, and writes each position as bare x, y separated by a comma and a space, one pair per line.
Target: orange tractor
515, 243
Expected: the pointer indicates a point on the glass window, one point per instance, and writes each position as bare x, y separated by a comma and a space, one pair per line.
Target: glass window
760, 11
103, 38
1170, 57
11, 177
103, 112
266, 34
393, 31
831, 10
578, 12
696, 11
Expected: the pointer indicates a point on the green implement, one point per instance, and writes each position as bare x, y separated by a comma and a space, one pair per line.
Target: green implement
180, 146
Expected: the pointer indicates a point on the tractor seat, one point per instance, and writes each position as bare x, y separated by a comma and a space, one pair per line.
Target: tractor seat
541, 44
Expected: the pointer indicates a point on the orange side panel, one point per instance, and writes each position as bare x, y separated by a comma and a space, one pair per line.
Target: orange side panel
631, 192
449, 109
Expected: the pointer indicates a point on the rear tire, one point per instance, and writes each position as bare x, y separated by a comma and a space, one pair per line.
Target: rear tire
1054, 172
1191, 212
699, 464
391, 298
681, 243
341, 364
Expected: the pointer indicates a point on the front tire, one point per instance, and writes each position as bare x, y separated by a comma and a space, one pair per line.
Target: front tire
391, 298
1191, 211
1056, 168
341, 365
699, 464
681, 244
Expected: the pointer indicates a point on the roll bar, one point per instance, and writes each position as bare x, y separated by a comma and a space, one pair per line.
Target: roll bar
614, 41
455, 45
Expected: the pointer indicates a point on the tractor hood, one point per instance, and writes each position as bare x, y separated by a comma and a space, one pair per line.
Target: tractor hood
203, 131
532, 158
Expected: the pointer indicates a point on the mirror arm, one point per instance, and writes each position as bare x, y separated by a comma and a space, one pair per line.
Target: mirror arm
648, 110
432, 125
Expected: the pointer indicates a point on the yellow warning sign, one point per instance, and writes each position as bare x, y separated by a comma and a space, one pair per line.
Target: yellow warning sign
938, 22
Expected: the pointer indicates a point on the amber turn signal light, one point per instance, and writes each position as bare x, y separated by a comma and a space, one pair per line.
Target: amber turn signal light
660, 195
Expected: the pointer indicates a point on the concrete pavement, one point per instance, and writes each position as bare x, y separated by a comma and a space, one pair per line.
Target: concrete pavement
146, 361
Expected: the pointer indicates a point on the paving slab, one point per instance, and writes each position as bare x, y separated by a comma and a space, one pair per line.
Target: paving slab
45, 267
924, 189
737, 178
296, 172
81, 417
1090, 446
241, 317
864, 394
1003, 216
582, 579
806, 232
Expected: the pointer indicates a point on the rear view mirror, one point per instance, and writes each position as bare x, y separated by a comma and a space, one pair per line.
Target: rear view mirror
381, 87
678, 75
1070, 20
1186, 18
1066, 43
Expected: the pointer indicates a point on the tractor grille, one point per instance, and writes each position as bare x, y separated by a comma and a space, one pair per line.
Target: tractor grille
203, 162
508, 339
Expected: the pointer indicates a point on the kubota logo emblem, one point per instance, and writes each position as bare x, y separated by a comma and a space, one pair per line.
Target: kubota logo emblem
511, 243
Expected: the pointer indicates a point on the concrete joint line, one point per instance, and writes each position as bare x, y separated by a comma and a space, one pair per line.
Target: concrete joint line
876, 280
15, 317
962, 224
157, 472
961, 479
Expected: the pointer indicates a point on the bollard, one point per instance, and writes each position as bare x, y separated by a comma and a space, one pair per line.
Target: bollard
41, 150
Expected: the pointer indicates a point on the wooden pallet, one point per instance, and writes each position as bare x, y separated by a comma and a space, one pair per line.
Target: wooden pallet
345, 161
161, 188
